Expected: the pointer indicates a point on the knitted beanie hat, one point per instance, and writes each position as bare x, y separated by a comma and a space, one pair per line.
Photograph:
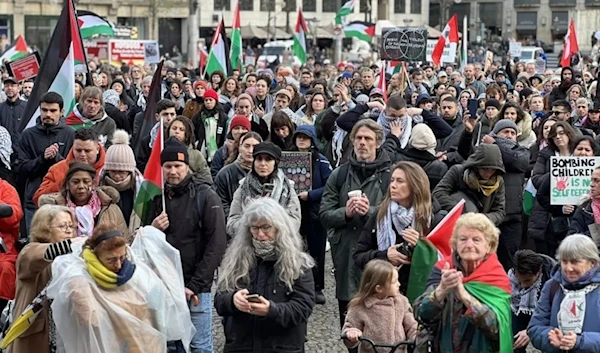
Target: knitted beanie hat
240, 120
119, 156
505, 124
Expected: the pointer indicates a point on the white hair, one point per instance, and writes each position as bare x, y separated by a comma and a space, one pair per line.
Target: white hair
578, 247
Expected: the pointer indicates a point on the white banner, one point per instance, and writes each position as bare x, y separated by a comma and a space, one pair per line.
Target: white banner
449, 55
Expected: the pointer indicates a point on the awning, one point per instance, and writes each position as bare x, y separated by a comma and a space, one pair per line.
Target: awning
251, 31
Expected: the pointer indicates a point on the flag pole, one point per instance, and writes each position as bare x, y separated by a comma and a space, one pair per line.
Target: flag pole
162, 175
465, 43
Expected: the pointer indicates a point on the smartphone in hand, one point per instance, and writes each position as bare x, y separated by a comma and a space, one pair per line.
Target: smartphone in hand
253, 298
472, 106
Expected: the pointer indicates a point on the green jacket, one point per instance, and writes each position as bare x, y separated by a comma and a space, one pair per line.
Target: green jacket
344, 233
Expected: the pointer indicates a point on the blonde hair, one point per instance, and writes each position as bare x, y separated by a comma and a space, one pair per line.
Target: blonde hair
480, 222
41, 223
377, 273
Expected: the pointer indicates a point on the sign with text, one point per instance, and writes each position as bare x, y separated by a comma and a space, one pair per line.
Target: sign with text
96, 49
130, 52
403, 44
514, 49
570, 178
448, 56
297, 166
540, 66
25, 68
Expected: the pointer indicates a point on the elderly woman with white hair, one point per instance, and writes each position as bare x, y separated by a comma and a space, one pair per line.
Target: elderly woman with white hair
265, 291
567, 315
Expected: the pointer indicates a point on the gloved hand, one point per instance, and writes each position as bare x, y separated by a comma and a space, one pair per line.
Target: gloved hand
5, 210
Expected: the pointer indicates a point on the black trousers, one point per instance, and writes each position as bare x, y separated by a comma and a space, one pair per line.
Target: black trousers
315, 243
343, 308
510, 241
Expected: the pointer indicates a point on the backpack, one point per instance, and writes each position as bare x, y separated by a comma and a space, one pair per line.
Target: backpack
342, 176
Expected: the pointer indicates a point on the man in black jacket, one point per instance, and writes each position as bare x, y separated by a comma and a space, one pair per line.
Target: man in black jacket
42, 146
165, 109
194, 224
11, 111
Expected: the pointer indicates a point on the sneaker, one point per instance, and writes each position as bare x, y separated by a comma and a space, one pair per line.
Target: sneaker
320, 298
327, 246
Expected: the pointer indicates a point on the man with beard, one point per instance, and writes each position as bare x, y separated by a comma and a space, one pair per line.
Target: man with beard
11, 111
560, 92
42, 146
26, 90
305, 81
447, 146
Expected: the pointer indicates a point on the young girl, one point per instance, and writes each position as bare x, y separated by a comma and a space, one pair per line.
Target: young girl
379, 311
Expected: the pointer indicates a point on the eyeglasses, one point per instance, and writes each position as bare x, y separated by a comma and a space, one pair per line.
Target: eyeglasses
66, 228
113, 260
265, 228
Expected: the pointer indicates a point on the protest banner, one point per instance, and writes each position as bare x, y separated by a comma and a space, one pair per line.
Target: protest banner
297, 166
25, 68
448, 56
129, 52
151, 53
514, 49
403, 44
570, 178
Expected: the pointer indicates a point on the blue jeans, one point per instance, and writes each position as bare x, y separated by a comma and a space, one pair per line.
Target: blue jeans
29, 212
202, 341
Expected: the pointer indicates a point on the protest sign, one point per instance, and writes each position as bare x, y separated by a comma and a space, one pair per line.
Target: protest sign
540, 66
129, 52
514, 49
151, 53
448, 56
570, 178
297, 166
403, 44
25, 68
489, 60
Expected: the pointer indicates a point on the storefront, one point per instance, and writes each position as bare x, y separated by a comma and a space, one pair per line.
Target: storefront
526, 25
38, 31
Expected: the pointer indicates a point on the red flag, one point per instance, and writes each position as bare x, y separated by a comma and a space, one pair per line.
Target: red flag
382, 84
571, 46
449, 35
441, 234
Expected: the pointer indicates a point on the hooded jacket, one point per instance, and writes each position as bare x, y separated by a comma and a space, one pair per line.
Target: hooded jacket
9, 232
57, 173
10, 117
452, 187
560, 92
32, 164
344, 232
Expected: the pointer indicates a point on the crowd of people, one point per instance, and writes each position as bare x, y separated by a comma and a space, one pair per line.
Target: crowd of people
386, 168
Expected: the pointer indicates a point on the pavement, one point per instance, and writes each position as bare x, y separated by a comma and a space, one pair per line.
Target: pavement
323, 325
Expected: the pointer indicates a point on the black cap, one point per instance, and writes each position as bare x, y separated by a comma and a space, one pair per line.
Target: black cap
174, 151
595, 108
500, 72
492, 103
10, 79
267, 147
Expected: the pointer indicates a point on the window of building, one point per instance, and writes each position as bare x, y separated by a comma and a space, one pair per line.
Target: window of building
399, 6
138, 25
267, 5
246, 5
38, 31
290, 6
222, 4
415, 6
309, 5
330, 6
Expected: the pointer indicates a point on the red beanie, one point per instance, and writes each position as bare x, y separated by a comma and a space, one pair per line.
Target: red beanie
200, 83
211, 93
240, 120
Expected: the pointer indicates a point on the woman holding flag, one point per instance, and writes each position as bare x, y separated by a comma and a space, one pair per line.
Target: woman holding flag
466, 306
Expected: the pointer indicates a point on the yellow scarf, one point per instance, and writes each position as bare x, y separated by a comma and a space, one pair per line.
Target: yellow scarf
104, 277
487, 187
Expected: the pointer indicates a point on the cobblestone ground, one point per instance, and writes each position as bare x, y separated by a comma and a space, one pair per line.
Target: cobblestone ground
323, 326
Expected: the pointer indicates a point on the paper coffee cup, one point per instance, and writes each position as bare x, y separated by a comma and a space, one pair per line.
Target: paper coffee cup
354, 193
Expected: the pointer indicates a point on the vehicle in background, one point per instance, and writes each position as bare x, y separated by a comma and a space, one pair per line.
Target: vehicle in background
273, 51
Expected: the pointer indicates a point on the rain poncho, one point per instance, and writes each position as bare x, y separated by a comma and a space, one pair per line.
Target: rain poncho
139, 316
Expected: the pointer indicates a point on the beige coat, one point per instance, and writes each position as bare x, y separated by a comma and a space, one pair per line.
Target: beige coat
388, 320
109, 213
33, 273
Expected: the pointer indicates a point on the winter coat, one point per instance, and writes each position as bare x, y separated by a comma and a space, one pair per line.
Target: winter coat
343, 232
386, 320
582, 219
33, 274
119, 117
453, 187
57, 173
200, 130
450, 143
9, 232
10, 117
110, 213
367, 249
198, 165
434, 168
141, 129
127, 199
199, 237
227, 182
285, 326
192, 107
540, 217
218, 161
545, 317
238, 205
102, 124
32, 164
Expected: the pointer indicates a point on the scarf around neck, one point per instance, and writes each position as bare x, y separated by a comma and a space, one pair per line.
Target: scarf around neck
337, 142
252, 188
397, 217
264, 249
104, 277
120, 186
523, 300
406, 124
595, 203
86, 214
486, 187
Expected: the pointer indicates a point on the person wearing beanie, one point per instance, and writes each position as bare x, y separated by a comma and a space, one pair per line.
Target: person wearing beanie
193, 221
121, 173
238, 126
265, 179
211, 125
505, 124
245, 107
193, 105
182, 129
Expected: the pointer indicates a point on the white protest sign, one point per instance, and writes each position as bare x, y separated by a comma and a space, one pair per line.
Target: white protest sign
448, 56
540, 66
514, 49
570, 178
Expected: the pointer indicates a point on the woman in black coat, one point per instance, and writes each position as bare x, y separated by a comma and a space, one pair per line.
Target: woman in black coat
407, 213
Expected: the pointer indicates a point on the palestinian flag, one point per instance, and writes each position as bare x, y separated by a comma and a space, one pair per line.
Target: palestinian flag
235, 54
490, 285
218, 59
529, 197
92, 25
57, 72
16, 51
76, 120
300, 37
430, 250
153, 179
382, 85
346, 10
364, 31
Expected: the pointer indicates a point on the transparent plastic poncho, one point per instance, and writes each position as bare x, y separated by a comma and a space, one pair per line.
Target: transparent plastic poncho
139, 316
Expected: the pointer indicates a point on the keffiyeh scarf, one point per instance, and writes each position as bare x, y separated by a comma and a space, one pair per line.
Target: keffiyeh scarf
337, 142
398, 217
86, 214
523, 300
406, 124
252, 188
